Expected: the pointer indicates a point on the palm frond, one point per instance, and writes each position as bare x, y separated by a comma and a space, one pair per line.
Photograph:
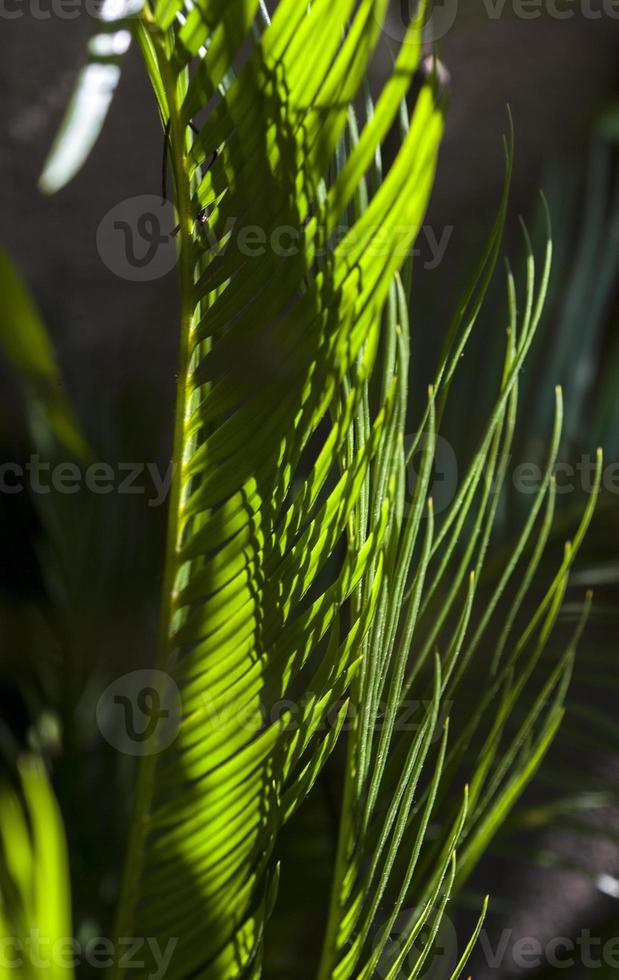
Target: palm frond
258, 608
306, 584
417, 651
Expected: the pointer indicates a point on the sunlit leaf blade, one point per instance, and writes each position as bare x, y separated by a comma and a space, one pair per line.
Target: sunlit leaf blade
260, 600
92, 95
304, 577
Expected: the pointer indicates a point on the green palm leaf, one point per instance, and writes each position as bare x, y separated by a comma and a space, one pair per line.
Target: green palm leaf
303, 580
254, 600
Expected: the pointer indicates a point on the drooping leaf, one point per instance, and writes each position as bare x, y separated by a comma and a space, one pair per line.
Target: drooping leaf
25, 342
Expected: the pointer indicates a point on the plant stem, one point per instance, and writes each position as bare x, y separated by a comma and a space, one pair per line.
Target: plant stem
146, 767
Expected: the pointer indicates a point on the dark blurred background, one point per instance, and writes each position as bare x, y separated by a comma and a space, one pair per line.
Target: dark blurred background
117, 345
